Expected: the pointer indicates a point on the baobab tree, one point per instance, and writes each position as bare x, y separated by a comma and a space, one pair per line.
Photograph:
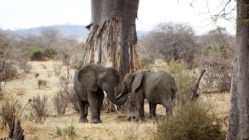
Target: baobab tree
112, 40
239, 110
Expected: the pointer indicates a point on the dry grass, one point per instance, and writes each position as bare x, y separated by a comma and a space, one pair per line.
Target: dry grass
113, 126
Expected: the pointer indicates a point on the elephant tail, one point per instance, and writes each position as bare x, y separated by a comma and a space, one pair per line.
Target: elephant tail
173, 93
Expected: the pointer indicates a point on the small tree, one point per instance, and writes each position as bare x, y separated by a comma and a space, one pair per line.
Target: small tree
39, 108
217, 58
170, 42
60, 102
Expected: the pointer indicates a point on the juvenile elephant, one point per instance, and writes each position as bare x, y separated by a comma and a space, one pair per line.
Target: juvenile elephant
90, 83
156, 87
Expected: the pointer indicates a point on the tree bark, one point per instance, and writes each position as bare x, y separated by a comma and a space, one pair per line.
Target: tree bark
112, 40
238, 128
195, 88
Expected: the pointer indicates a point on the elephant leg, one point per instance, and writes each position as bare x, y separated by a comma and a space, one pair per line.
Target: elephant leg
93, 104
83, 106
152, 110
140, 106
85, 113
100, 102
169, 110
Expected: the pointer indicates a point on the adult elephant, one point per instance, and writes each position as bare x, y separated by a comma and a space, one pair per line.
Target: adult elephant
90, 84
156, 87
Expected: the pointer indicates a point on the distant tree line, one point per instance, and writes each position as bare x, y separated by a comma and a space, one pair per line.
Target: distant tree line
16, 50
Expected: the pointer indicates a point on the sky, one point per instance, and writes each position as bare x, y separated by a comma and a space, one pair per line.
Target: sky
20, 14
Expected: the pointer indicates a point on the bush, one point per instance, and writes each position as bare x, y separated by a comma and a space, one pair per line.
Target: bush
60, 102
71, 98
184, 80
69, 131
145, 62
39, 54
68, 91
217, 58
219, 74
191, 122
170, 41
10, 109
36, 55
7, 72
39, 108
42, 83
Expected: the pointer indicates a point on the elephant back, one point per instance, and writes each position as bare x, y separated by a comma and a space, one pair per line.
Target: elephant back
169, 83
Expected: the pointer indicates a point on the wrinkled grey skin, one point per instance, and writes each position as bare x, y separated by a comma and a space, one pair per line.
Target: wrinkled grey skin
156, 87
90, 82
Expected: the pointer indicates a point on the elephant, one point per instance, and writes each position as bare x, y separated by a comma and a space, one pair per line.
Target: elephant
156, 87
91, 84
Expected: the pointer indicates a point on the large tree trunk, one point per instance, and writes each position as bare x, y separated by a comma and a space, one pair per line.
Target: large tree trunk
239, 109
112, 40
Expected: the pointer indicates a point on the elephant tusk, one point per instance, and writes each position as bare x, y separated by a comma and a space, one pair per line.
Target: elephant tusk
119, 96
105, 93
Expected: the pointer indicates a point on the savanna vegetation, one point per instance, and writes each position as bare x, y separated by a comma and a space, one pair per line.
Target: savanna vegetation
36, 85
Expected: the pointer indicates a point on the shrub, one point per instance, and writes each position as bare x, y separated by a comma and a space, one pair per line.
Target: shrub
191, 122
184, 80
217, 57
39, 108
219, 74
8, 71
57, 68
145, 62
49, 53
68, 91
71, 98
69, 131
42, 83
36, 55
39, 54
60, 102
36, 75
10, 109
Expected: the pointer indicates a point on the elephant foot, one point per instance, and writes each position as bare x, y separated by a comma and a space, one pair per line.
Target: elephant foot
83, 120
139, 119
131, 118
153, 117
96, 121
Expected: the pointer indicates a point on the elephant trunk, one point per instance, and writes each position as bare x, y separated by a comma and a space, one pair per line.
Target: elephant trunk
121, 99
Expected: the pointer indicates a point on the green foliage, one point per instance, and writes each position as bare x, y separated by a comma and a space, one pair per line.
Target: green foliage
42, 83
176, 67
145, 62
39, 54
69, 131
191, 122
184, 80
58, 131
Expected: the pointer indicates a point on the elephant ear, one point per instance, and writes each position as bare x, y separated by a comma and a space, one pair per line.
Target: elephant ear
137, 81
89, 77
